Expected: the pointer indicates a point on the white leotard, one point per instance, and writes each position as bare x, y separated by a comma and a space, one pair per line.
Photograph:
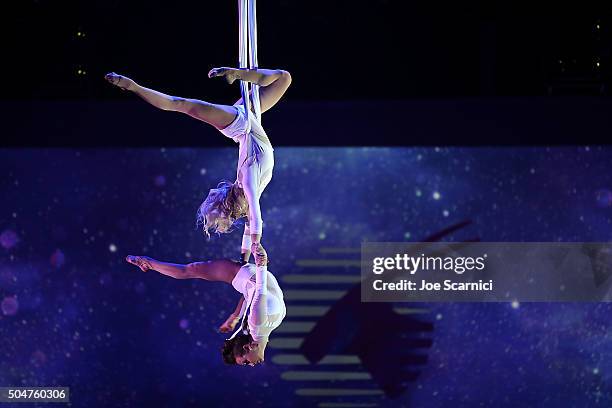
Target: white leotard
255, 162
267, 306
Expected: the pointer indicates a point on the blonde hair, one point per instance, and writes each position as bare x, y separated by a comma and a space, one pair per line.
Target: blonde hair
221, 208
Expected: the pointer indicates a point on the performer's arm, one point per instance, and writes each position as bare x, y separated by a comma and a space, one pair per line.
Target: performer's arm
234, 317
259, 307
245, 248
249, 184
239, 311
240, 307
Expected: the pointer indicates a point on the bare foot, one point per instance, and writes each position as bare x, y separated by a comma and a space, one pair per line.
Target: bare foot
229, 74
121, 81
143, 262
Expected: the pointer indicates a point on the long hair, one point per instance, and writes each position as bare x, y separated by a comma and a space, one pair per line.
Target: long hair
235, 346
221, 208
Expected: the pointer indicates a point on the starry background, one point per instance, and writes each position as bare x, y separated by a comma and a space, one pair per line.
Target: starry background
75, 314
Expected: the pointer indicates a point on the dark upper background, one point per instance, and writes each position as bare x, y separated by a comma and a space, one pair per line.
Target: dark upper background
463, 61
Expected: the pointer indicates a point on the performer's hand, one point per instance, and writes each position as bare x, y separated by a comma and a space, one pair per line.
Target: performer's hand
260, 254
229, 324
230, 74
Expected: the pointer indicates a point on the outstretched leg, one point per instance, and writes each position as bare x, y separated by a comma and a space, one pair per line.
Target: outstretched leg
220, 270
219, 116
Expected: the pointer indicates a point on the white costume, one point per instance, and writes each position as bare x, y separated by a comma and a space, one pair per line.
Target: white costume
255, 164
263, 298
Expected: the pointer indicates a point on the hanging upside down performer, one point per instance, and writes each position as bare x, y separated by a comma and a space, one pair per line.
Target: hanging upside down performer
228, 202
264, 299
